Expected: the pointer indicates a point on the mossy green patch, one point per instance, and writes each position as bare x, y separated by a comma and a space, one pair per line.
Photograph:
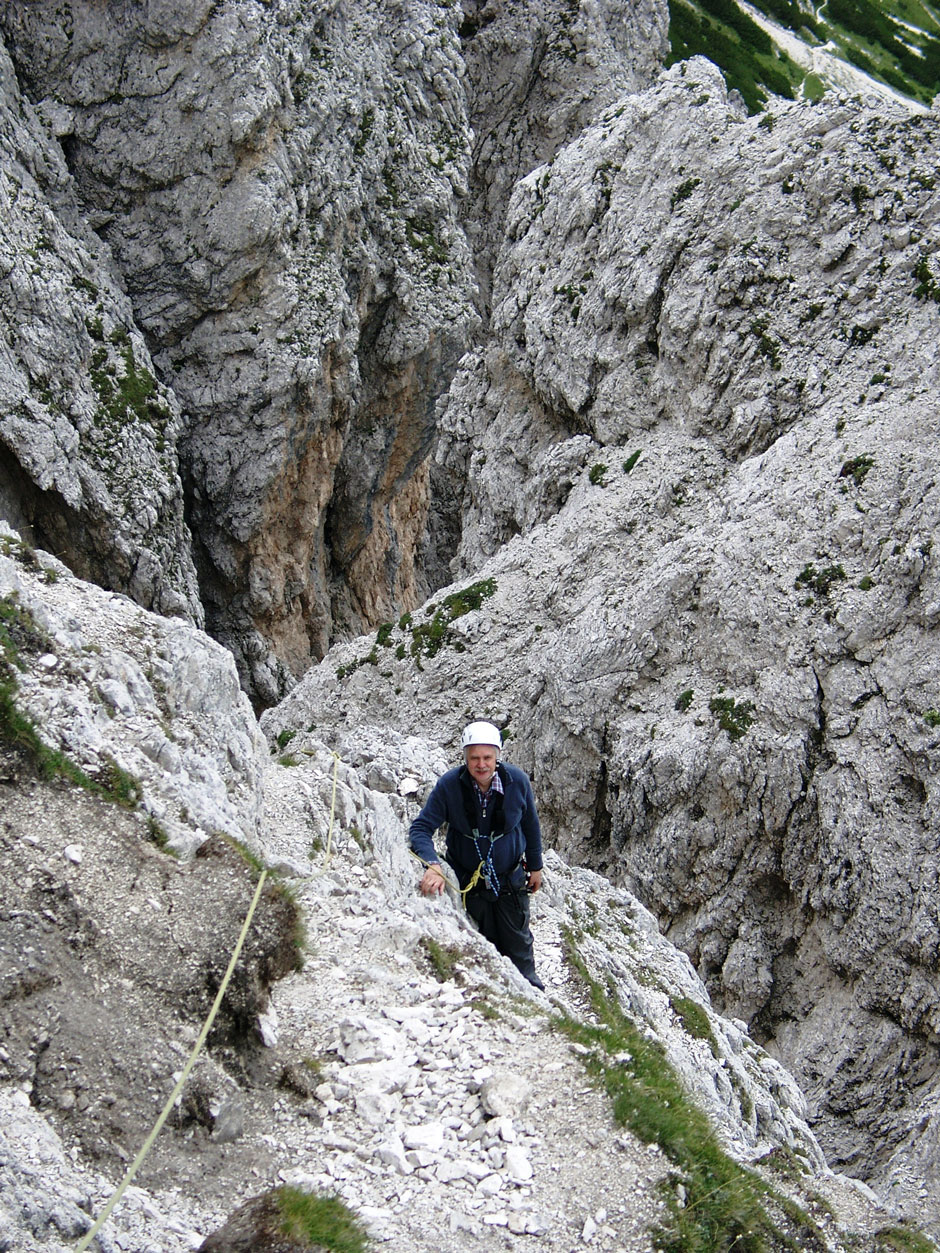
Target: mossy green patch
902, 1239
694, 1018
721, 1205
320, 1222
734, 717
443, 958
820, 582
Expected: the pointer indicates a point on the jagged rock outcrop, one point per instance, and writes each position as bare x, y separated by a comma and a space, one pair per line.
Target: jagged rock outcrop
692, 465
537, 73
278, 187
163, 707
701, 514
88, 465
283, 194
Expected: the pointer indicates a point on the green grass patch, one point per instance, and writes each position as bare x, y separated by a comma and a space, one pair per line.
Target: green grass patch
819, 582
928, 287
321, 1222
157, 835
856, 468
895, 42
428, 638
733, 717
902, 1239
694, 1018
281, 898
443, 958
721, 1205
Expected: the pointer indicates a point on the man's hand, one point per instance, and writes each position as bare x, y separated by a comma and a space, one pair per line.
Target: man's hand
535, 880
432, 881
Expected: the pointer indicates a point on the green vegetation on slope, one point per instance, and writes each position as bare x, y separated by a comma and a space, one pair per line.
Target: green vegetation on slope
745, 54
711, 1202
896, 42
21, 635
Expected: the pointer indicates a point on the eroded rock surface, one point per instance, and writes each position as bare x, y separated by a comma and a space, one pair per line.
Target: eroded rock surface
88, 462
278, 188
539, 73
405, 1067
701, 510
691, 468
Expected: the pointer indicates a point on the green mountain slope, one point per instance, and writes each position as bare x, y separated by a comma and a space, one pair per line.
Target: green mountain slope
894, 42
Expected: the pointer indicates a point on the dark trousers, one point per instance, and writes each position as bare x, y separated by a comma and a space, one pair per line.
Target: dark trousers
504, 921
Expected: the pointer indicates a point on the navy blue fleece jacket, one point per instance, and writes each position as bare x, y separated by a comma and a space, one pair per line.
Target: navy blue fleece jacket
511, 828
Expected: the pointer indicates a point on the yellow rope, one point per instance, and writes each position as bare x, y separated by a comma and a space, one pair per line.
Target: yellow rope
474, 880
452, 883
148, 1143
197, 1047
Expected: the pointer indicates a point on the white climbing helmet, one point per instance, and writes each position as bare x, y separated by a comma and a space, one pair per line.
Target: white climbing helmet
482, 733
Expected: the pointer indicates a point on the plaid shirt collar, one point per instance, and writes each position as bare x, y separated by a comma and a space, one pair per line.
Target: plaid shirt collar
496, 785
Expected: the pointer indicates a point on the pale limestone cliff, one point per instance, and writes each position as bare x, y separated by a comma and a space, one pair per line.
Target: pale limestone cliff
686, 467
700, 510
88, 459
402, 1065
284, 193
278, 188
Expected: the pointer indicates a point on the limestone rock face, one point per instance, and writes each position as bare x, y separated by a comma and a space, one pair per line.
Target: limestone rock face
88, 464
403, 1053
537, 74
122, 690
278, 187
701, 515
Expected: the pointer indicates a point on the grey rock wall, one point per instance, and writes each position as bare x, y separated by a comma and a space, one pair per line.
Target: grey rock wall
409, 1089
278, 187
537, 74
88, 462
690, 468
699, 468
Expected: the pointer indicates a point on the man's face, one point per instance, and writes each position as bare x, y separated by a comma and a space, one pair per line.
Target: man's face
481, 762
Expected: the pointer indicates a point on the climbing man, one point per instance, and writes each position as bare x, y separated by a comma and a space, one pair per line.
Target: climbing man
494, 843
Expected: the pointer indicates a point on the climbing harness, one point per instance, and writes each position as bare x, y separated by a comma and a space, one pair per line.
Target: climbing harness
486, 863
485, 870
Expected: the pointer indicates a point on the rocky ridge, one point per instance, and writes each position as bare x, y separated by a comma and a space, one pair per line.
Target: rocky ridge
88, 454
699, 569
712, 354
277, 188
406, 1066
